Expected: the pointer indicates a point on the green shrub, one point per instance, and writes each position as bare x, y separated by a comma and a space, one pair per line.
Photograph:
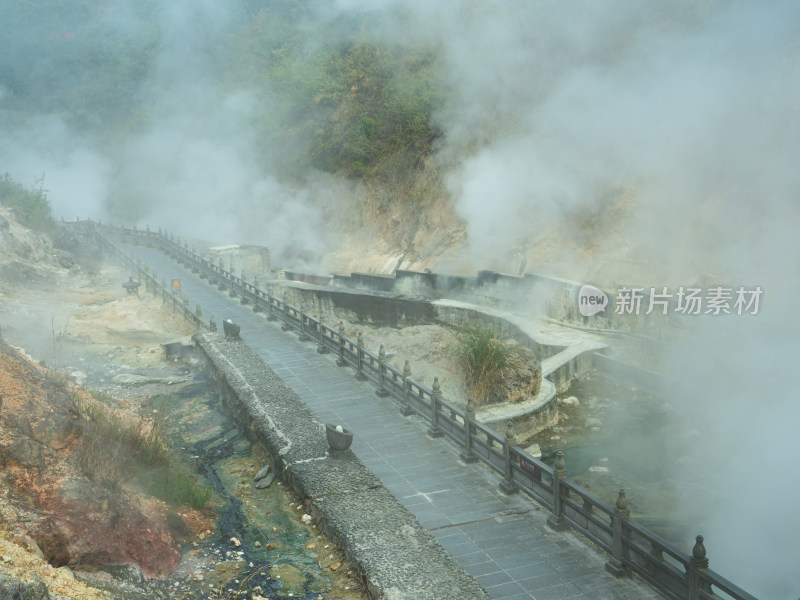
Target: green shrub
483, 356
113, 451
31, 206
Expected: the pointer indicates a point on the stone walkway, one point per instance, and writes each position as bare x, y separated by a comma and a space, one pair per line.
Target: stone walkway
503, 541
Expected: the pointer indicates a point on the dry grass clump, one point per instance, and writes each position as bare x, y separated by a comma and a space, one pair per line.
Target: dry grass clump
484, 356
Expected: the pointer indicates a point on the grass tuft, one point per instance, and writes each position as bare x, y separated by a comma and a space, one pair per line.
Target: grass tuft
484, 357
114, 450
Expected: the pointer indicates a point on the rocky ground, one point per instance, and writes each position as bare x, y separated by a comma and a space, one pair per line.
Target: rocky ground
71, 524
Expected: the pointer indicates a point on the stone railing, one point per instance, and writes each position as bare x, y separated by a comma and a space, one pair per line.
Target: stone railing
633, 548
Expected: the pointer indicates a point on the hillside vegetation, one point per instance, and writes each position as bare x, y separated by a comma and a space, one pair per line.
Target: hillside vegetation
329, 96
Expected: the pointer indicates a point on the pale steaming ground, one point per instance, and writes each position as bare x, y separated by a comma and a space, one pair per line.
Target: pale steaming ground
615, 141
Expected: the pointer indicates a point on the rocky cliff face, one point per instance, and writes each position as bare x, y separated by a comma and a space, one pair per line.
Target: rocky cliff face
51, 506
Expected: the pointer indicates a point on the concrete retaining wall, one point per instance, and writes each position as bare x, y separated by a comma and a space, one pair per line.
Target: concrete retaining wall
398, 558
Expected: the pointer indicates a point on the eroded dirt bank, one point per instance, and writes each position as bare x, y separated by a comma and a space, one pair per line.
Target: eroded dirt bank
89, 515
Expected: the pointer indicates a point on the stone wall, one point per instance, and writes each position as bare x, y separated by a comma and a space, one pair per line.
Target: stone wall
398, 558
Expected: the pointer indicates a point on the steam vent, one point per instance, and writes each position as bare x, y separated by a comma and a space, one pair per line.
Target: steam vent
399, 300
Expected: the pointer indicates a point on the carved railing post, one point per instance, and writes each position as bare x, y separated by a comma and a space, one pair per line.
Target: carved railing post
198, 312
555, 521
321, 347
221, 276
467, 455
507, 486
698, 564
622, 513
406, 410
436, 397
285, 325
256, 307
381, 391
271, 308
360, 357
303, 337
340, 361
243, 299
212, 323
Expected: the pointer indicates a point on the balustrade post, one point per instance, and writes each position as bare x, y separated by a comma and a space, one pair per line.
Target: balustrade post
467, 455
198, 312
436, 397
507, 486
243, 299
232, 289
221, 277
382, 392
555, 520
271, 316
303, 337
212, 324
360, 357
285, 326
616, 565
406, 410
340, 362
321, 347
699, 563
256, 307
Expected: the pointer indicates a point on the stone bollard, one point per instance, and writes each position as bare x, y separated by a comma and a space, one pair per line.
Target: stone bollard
382, 392
507, 486
231, 329
554, 521
321, 348
340, 361
615, 565
436, 396
467, 455
212, 323
406, 410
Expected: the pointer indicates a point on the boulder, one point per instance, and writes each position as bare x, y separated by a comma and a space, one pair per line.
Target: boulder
25, 452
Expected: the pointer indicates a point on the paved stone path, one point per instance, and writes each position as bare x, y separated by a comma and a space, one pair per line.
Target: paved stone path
503, 541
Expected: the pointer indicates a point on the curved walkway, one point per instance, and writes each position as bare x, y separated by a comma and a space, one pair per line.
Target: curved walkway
503, 541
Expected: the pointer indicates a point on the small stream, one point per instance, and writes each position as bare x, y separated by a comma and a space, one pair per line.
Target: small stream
623, 437
253, 543
276, 555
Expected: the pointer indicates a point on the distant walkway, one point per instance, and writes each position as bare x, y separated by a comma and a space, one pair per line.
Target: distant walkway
503, 541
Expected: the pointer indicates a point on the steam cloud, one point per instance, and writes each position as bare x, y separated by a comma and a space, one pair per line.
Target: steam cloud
667, 131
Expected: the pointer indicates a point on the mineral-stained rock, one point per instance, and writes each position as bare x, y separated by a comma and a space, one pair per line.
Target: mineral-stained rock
13, 588
55, 430
25, 452
20, 423
265, 482
262, 472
